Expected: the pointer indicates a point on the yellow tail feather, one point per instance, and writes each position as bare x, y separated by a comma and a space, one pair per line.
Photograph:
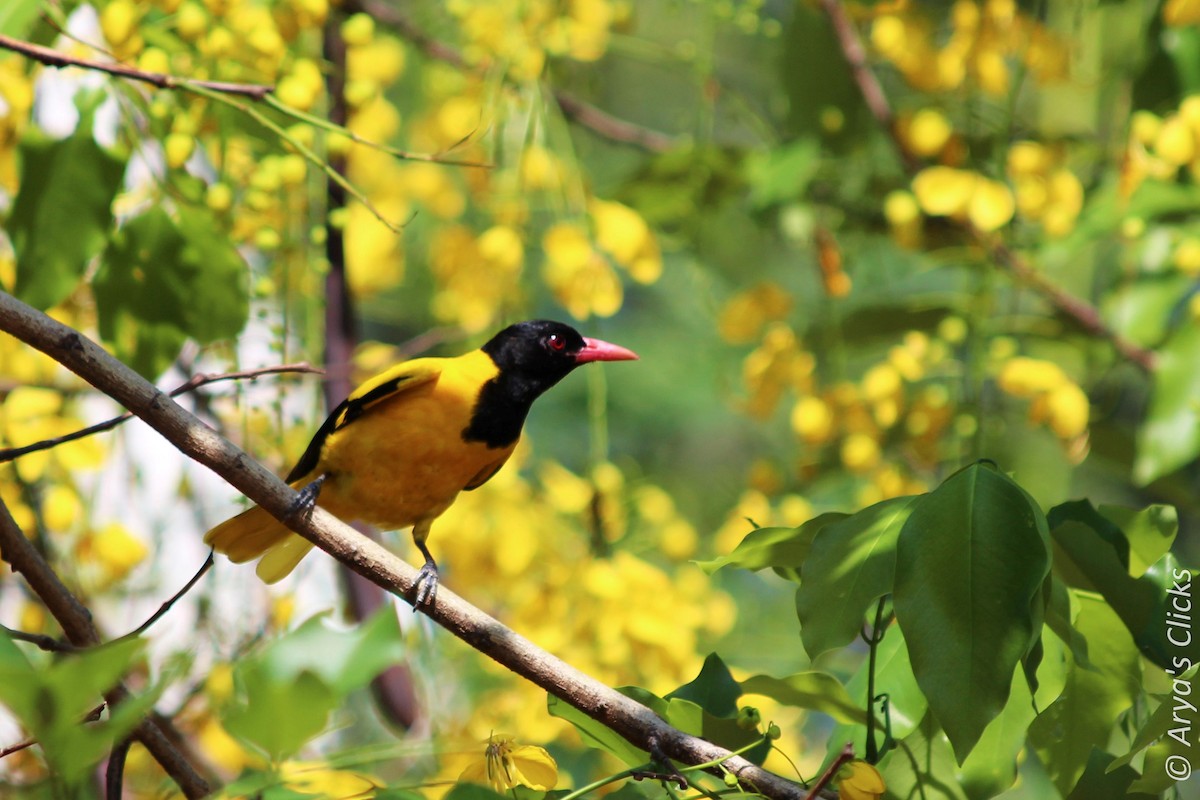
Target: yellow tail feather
255, 533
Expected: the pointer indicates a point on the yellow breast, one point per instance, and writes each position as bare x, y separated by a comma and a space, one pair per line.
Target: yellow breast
404, 460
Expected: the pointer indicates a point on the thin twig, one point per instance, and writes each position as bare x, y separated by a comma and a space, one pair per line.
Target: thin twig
193, 383
40, 640
166, 606
91, 716
1081, 312
843, 757
58, 59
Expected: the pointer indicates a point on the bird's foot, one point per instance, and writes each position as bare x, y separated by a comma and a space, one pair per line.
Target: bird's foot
306, 499
425, 588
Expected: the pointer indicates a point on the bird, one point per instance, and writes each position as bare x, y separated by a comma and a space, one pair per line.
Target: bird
397, 451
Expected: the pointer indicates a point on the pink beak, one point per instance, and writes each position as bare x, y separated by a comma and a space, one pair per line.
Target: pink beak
597, 350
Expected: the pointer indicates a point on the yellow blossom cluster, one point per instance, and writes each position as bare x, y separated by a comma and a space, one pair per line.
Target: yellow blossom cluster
1040, 189
579, 266
16, 99
894, 401
536, 550
1056, 400
1160, 147
520, 37
985, 42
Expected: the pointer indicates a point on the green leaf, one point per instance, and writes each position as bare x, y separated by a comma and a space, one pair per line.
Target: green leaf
289, 689
783, 549
1170, 436
1150, 532
62, 215
17, 17
1142, 311
713, 690
894, 677
1094, 696
783, 173
162, 282
1061, 611
52, 701
992, 765
1163, 730
969, 562
343, 659
923, 766
851, 564
473, 791
278, 715
1092, 553
594, 734
814, 690
1100, 781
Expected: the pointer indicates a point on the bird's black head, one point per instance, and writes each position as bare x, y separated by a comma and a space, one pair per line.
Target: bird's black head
541, 352
531, 357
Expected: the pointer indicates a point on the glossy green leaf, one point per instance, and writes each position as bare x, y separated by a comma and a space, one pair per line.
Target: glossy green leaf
850, 565
1096, 556
814, 690
1170, 437
163, 281
62, 215
969, 562
783, 549
713, 690
1094, 696
1149, 531
991, 767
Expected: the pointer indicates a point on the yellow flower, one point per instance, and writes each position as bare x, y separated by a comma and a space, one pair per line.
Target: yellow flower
928, 132
944, 191
506, 765
858, 780
1025, 377
117, 550
316, 778
744, 314
991, 205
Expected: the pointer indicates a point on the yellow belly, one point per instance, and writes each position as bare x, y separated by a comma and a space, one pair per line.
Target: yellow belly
404, 461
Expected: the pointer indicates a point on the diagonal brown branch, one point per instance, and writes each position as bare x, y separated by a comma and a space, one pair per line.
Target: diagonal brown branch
56, 58
1084, 314
156, 733
636, 723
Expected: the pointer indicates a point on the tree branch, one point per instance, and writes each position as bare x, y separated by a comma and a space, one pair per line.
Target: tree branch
154, 732
55, 58
1081, 312
636, 723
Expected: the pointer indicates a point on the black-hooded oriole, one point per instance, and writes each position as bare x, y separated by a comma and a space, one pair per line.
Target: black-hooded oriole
400, 448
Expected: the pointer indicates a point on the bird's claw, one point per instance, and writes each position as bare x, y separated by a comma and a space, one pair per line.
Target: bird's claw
306, 499
425, 588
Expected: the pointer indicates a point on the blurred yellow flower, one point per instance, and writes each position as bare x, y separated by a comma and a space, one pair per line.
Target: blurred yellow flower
944, 191
321, 780
927, 132
743, 315
506, 765
812, 420
114, 549
991, 206
1025, 377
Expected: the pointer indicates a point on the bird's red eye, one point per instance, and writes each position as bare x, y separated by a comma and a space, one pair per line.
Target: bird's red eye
556, 342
